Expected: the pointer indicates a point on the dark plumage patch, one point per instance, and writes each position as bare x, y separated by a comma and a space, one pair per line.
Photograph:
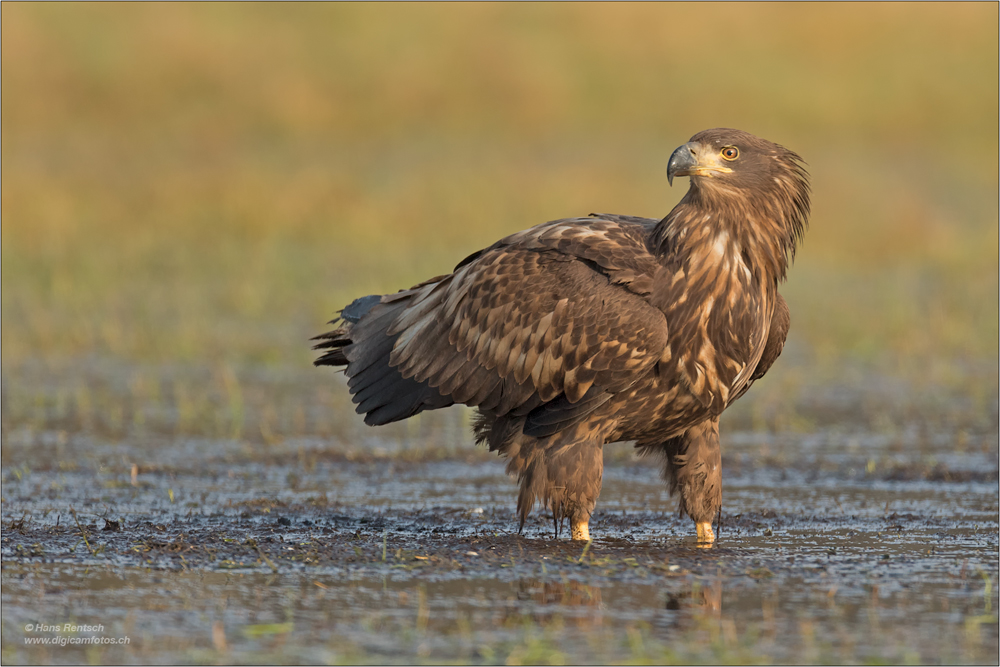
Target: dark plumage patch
359, 308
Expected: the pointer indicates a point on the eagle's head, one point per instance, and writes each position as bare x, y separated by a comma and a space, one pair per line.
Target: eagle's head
758, 188
732, 159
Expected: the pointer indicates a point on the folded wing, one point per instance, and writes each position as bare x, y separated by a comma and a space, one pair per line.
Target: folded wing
549, 322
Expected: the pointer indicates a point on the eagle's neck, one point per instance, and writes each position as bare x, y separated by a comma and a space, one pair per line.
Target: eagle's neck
718, 229
722, 252
720, 264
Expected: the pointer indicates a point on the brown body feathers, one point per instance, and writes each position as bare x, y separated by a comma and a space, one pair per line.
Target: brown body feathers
587, 331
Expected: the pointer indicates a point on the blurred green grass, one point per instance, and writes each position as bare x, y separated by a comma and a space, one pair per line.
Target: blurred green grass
205, 184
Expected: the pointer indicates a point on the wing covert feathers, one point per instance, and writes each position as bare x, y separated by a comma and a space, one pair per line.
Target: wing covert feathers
552, 314
481, 329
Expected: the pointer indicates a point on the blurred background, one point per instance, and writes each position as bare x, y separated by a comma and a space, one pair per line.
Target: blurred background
190, 191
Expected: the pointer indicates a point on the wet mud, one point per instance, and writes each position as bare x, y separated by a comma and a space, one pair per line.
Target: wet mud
830, 549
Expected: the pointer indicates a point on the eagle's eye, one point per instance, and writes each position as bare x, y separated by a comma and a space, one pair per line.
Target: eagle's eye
730, 153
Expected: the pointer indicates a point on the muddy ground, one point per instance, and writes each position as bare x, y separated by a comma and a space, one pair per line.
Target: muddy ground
223, 551
842, 539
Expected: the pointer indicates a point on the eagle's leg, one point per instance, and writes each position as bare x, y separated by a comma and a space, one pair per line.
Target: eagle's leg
562, 471
581, 529
694, 468
564, 477
579, 515
705, 532
574, 472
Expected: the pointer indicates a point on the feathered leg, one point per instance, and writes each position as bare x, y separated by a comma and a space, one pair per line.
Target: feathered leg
693, 467
565, 478
563, 471
570, 480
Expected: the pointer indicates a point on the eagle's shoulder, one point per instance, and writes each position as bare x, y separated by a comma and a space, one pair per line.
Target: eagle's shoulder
616, 245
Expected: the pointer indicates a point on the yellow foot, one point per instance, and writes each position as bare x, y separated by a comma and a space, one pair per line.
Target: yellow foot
580, 530
705, 533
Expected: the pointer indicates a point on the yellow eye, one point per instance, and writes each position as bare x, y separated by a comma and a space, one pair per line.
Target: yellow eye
730, 153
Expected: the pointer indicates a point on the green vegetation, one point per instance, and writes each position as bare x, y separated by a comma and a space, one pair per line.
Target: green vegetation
190, 191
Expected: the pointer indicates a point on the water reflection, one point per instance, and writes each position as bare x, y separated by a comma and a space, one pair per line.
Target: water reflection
703, 600
547, 602
577, 603
569, 593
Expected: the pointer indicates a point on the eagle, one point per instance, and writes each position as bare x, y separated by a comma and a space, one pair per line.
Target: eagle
587, 331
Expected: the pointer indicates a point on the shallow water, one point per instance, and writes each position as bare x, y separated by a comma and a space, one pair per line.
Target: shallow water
837, 544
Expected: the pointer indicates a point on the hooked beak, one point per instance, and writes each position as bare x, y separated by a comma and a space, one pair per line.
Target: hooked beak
681, 162
693, 159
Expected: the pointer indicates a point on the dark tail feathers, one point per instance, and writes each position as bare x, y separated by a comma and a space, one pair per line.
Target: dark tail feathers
378, 389
335, 341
